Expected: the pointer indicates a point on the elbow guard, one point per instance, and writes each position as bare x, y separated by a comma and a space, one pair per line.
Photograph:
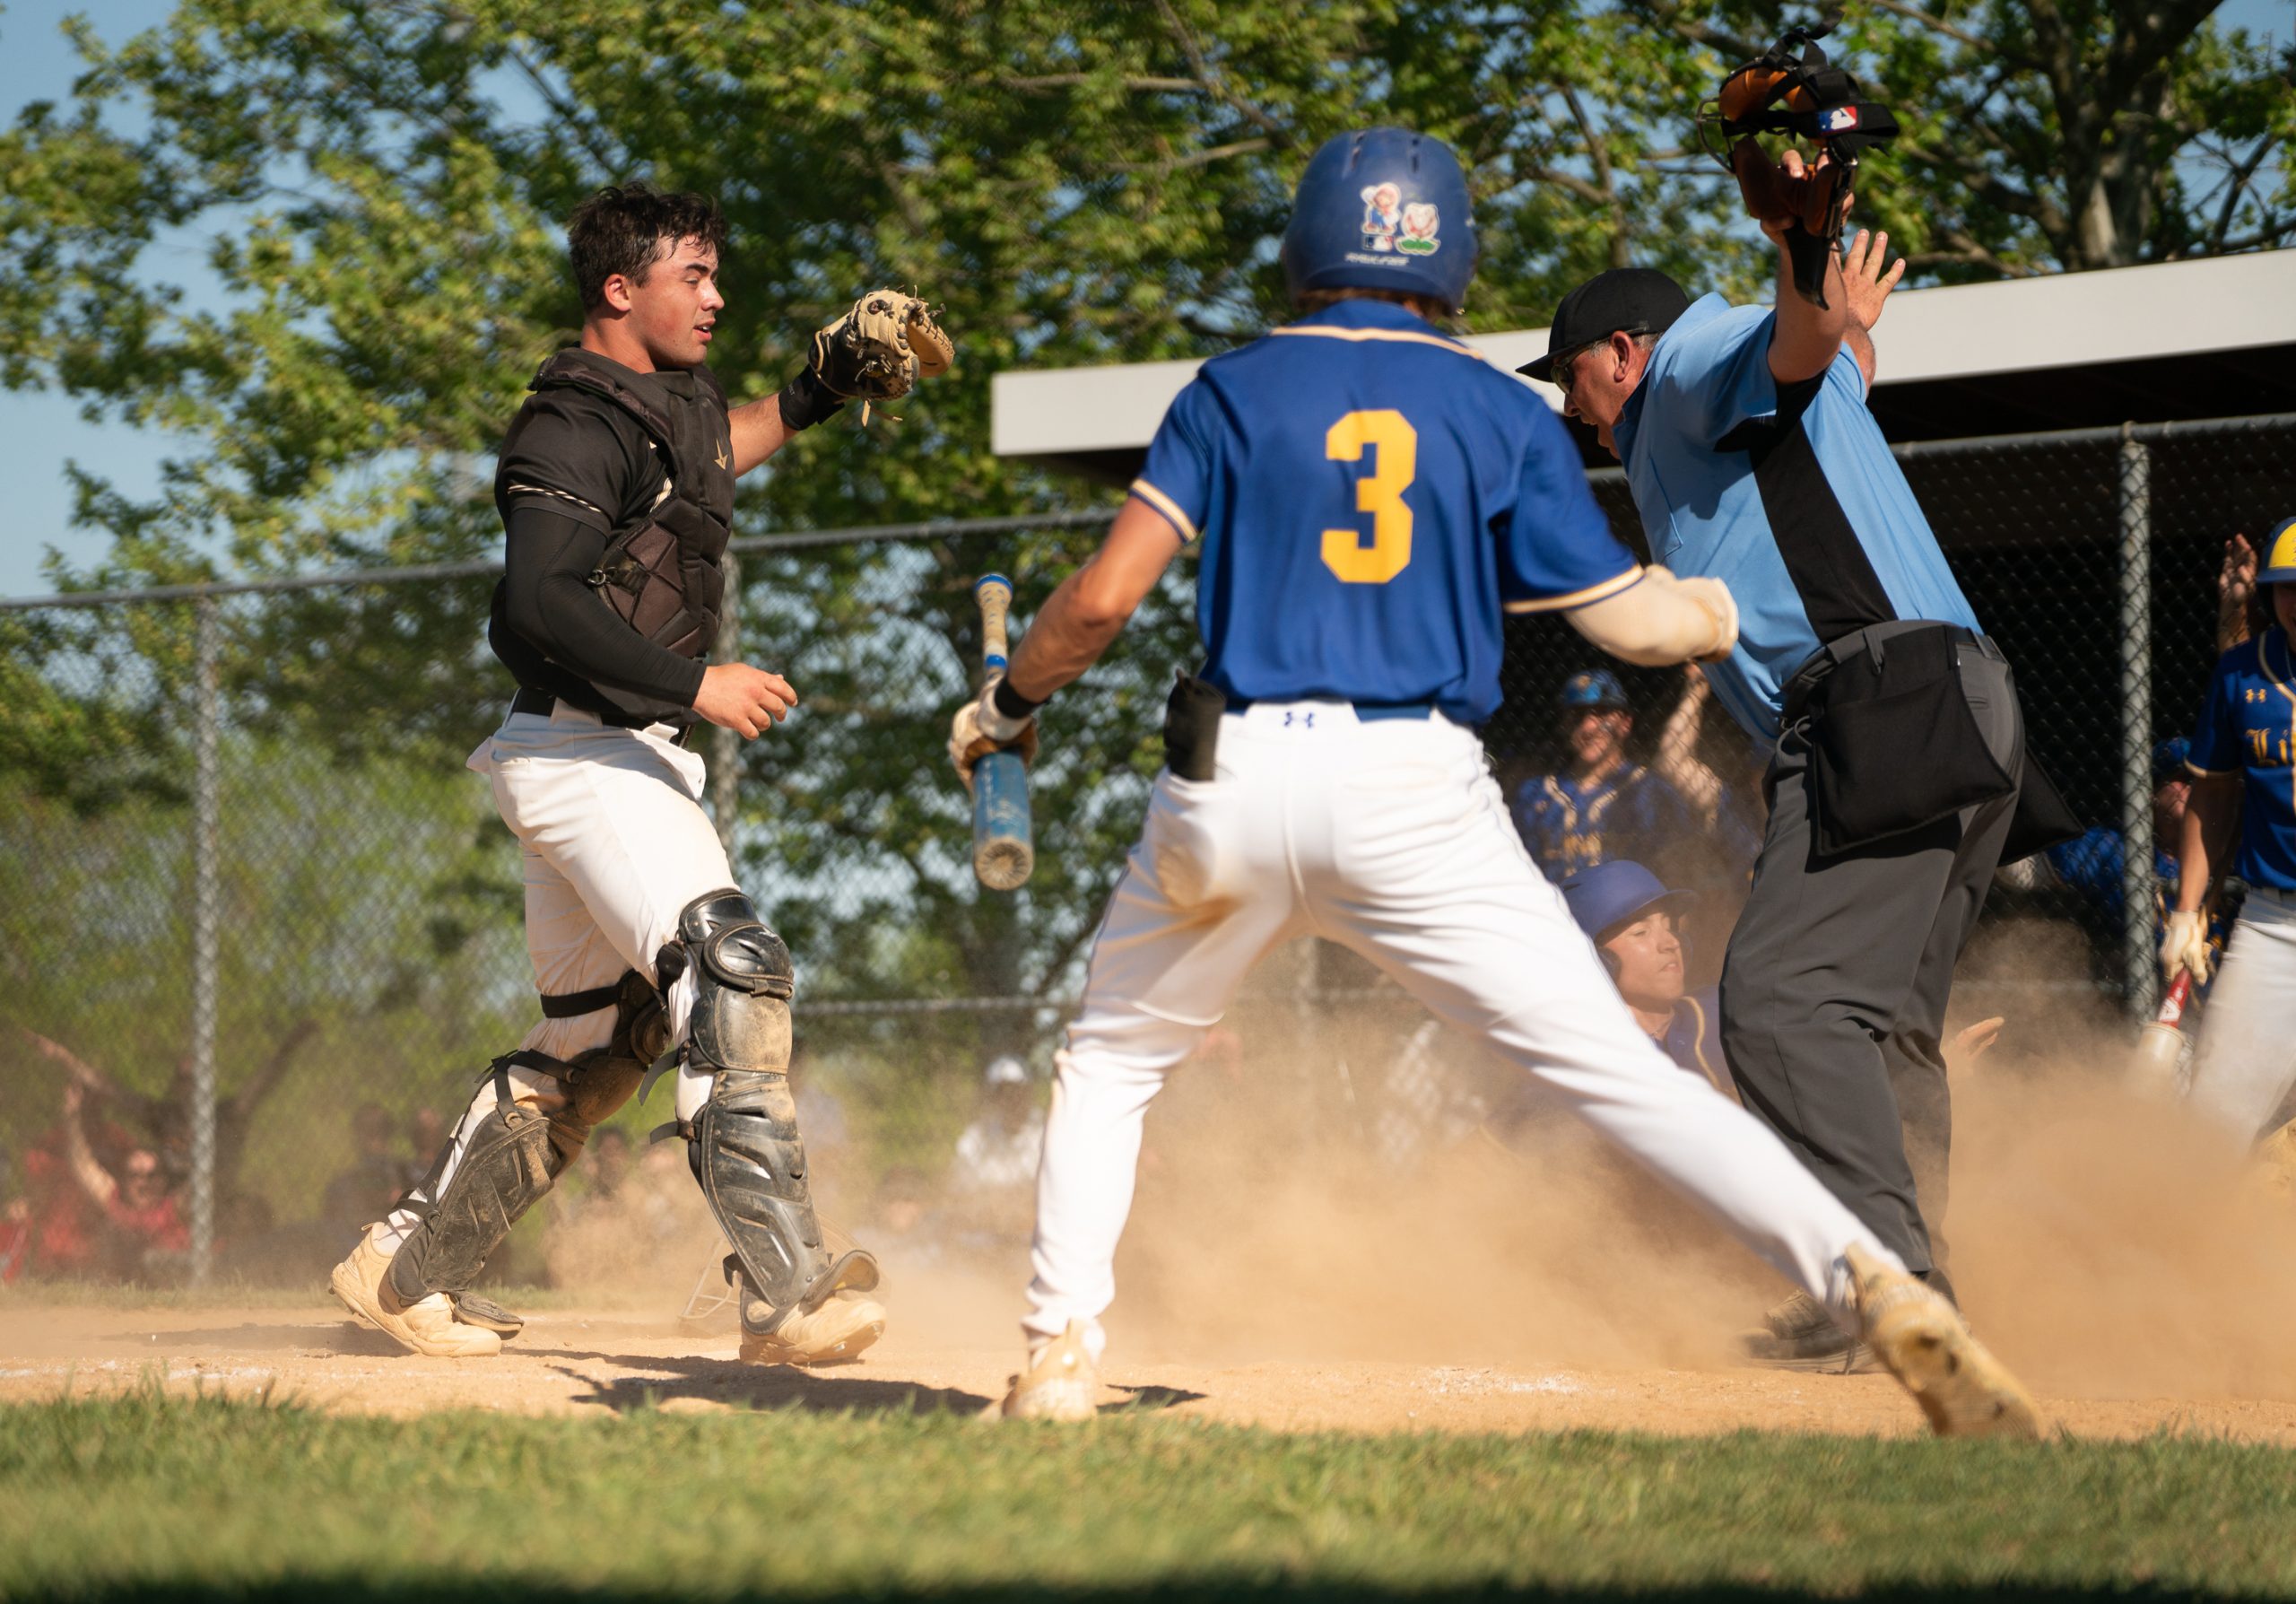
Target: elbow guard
1663, 620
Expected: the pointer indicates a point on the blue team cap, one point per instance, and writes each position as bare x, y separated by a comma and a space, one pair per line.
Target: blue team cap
1617, 893
2279, 555
2169, 760
1598, 687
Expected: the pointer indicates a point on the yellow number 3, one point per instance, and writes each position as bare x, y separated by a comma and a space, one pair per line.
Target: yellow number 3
1378, 493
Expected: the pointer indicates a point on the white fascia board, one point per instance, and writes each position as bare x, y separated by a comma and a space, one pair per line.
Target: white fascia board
1963, 331
2088, 319
1058, 411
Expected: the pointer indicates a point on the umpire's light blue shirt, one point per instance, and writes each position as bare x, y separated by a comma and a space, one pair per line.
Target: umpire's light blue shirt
1790, 498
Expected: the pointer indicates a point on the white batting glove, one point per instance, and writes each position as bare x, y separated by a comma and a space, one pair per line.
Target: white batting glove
2183, 947
980, 727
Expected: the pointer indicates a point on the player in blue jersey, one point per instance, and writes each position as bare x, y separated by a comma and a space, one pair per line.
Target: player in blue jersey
2244, 767
1367, 498
1600, 807
1899, 748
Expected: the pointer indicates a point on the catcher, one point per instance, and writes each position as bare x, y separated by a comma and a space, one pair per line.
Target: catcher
615, 486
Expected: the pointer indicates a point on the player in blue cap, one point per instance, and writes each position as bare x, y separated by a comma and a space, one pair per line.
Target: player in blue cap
1368, 498
2244, 767
1635, 923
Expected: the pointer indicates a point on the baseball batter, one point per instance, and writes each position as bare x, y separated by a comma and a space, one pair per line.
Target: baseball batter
1367, 497
615, 486
2244, 766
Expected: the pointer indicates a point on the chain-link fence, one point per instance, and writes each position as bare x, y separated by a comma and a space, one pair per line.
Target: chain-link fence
253, 905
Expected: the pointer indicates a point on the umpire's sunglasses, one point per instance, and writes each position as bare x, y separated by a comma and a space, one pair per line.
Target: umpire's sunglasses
1565, 365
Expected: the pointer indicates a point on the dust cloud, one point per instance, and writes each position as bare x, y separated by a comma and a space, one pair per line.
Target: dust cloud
2105, 1245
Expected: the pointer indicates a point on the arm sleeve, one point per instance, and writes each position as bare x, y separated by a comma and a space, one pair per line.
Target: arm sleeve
2216, 746
548, 600
1177, 478
1557, 551
1713, 377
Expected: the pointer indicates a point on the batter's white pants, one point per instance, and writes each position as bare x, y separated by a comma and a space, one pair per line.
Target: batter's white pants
2248, 1038
1390, 838
614, 845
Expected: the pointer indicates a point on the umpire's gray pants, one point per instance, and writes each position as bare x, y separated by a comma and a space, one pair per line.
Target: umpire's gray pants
1835, 985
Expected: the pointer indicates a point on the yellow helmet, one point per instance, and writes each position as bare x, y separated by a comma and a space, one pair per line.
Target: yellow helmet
2280, 555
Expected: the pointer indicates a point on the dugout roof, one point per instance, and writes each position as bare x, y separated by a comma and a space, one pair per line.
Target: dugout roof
2201, 339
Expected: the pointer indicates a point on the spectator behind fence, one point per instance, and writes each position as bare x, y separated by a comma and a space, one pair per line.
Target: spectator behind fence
376, 1178
997, 1153
426, 1130
1601, 806
15, 1222
102, 1209
2092, 864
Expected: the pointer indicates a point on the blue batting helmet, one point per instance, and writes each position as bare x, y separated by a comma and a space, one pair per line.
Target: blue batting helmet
1382, 209
2169, 760
1610, 895
1597, 688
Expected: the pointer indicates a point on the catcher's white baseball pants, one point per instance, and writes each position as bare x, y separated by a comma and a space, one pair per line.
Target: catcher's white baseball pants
1389, 837
614, 844
2247, 1034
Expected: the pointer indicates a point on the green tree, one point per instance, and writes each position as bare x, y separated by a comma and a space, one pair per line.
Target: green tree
376, 183
2048, 135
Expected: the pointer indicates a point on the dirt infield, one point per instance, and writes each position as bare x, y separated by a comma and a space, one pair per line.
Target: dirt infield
576, 1363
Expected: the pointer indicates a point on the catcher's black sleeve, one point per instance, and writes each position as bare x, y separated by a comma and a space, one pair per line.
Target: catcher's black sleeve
581, 454
548, 600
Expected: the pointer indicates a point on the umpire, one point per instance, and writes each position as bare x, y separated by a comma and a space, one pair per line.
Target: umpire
1899, 756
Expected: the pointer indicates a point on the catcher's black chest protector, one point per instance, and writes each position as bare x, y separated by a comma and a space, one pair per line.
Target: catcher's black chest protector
660, 571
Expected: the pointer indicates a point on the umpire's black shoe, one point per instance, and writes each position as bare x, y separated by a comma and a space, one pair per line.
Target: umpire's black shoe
1798, 1334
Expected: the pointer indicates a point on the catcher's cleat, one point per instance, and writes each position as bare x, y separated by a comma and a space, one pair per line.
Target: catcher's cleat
1921, 1340
835, 1333
1799, 1334
1061, 1383
428, 1326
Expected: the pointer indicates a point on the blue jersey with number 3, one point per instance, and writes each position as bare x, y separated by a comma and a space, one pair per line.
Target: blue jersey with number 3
1370, 496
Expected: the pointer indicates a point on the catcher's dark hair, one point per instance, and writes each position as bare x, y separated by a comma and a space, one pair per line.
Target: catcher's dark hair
627, 228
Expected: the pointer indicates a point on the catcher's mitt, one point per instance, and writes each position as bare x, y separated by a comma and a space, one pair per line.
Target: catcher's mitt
884, 343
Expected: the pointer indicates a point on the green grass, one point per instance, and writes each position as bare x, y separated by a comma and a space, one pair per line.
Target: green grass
149, 1497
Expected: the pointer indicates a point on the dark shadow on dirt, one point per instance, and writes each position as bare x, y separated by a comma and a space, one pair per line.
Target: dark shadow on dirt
1146, 1398
844, 1390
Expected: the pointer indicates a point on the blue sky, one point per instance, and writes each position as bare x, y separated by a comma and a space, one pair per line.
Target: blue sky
44, 432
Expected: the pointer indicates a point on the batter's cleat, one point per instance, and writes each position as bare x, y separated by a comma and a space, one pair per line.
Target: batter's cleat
1922, 1340
1061, 1383
472, 1309
1799, 1334
428, 1326
835, 1333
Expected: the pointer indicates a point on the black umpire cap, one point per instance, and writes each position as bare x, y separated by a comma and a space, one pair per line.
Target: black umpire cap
1635, 300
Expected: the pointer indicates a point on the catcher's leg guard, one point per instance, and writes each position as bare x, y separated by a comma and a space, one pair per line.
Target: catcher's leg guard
516, 1153
744, 1143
